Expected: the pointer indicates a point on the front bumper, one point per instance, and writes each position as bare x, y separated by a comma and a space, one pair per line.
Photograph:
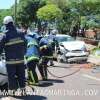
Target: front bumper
77, 59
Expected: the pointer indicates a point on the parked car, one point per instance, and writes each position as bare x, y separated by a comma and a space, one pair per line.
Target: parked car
71, 50
3, 72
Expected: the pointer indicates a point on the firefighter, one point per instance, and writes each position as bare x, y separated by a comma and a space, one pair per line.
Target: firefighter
46, 54
13, 44
32, 58
53, 42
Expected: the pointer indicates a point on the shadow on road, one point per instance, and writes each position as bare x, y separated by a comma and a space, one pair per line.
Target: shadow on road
31, 97
50, 82
55, 81
60, 66
4, 87
45, 84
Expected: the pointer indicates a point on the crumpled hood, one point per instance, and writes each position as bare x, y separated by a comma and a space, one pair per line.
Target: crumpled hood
73, 45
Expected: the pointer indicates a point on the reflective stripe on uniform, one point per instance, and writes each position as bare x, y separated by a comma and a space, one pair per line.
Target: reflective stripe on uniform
47, 56
32, 58
14, 42
31, 76
43, 47
14, 62
32, 43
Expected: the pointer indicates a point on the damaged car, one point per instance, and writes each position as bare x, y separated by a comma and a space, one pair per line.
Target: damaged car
71, 50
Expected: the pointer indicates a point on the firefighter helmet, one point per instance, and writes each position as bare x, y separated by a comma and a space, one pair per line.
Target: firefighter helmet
7, 20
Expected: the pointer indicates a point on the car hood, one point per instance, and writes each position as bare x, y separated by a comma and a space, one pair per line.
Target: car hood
73, 45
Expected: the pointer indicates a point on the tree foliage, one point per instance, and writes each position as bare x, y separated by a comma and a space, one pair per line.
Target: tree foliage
3, 13
27, 10
49, 12
72, 12
62, 4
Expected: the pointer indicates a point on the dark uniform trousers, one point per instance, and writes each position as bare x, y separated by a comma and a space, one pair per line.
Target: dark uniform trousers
32, 71
18, 80
43, 67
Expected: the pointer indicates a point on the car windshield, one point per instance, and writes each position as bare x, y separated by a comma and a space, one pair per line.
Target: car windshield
64, 38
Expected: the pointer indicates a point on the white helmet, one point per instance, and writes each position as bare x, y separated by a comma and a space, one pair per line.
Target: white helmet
7, 20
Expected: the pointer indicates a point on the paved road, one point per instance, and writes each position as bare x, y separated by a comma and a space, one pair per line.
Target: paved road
80, 84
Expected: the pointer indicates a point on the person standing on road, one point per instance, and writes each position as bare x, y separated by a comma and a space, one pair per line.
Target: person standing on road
46, 53
53, 42
14, 45
32, 58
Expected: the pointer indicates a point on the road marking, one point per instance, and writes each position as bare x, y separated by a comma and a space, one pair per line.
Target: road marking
91, 77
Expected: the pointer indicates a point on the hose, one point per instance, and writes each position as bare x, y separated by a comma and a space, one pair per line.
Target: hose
63, 75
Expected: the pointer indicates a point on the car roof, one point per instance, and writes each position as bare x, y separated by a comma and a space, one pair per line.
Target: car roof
60, 35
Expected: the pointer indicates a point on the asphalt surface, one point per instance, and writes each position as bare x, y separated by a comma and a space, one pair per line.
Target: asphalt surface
80, 83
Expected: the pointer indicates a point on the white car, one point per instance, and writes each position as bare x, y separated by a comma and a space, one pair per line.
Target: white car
3, 72
71, 50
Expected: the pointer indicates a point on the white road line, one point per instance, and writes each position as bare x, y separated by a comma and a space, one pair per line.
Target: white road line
91, 77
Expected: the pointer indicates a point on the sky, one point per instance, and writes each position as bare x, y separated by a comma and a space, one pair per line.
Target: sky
6, 4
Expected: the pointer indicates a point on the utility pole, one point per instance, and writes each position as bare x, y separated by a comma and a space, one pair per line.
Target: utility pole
15, 11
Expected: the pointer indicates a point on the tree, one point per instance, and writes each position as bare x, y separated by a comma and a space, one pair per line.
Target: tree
49, 12
3, 13
62, 4
27, 10
82, 8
